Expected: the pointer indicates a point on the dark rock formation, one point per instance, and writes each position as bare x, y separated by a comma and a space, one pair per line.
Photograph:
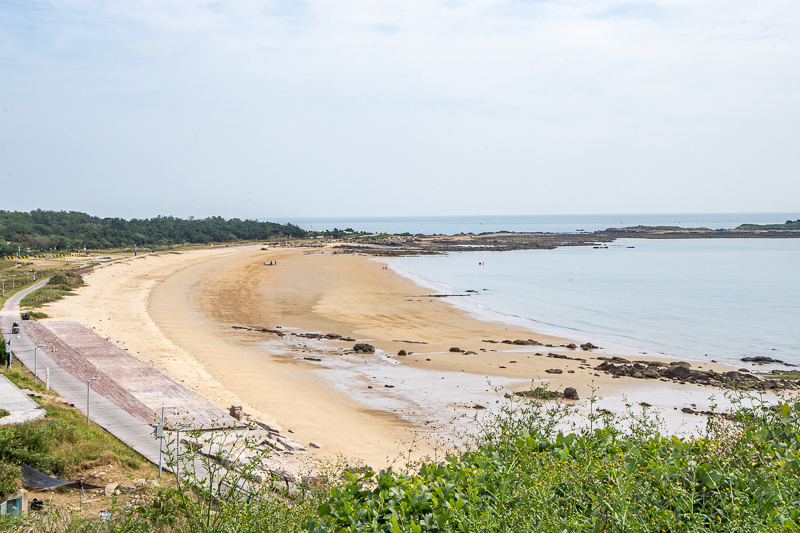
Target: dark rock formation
761, 359
679, 372
571, 394
363, 347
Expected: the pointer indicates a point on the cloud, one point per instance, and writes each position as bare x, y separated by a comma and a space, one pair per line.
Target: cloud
539, 95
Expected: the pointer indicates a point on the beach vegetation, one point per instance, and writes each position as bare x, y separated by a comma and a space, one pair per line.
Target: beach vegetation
788, 225
523, 471
61, 284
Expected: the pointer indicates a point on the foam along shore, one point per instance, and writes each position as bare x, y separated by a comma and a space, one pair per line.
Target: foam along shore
176, 311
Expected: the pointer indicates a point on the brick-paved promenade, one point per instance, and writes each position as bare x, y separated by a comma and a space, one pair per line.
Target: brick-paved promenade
69, 382
125, 381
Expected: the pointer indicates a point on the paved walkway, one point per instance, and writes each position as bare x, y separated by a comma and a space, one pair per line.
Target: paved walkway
13, 400
125, 380
126, 427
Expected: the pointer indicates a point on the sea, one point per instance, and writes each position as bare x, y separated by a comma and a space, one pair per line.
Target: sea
693, 299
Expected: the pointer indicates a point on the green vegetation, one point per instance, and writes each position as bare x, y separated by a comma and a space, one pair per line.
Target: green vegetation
4, 412
522, 474
41, 231
60, 444
789, 224
336, 233
59, 285
19, 274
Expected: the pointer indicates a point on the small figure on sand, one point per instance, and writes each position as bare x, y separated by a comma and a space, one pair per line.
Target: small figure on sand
271, 263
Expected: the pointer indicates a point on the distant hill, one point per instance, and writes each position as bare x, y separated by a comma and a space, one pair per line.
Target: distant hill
41, 231
789, 224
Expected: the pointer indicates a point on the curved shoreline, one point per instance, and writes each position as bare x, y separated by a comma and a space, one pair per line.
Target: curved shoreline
177, 311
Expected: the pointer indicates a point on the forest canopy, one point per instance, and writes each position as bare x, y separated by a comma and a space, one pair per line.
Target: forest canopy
40, 231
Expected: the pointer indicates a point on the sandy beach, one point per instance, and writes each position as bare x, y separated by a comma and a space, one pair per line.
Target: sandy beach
176, 311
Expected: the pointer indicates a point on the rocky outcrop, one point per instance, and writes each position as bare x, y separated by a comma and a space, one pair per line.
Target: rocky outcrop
683, 374
761, 359
363, 347
570, 393
542, 393
523, 342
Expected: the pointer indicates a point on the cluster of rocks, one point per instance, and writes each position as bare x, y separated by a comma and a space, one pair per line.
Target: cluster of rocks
326, 336
277, 331
456, 349
683, 374
523, 342
542, 393
763, 360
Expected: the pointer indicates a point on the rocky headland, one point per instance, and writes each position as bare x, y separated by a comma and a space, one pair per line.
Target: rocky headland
407, 244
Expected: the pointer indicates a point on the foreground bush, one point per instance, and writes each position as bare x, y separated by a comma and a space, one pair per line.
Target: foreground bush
522, 474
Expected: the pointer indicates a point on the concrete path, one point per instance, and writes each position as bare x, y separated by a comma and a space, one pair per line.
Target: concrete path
127, 428
124, 380
13, 400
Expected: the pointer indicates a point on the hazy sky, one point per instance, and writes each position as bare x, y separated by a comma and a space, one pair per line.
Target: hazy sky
261, 109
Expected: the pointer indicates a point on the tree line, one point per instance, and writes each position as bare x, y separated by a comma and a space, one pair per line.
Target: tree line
42, 231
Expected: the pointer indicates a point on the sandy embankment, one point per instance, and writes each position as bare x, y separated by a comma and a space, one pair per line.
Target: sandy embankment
176, 310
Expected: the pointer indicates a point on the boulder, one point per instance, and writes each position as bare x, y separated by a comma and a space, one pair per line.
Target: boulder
402, 352
588, 346
109, 489
554, 371
677, 372
455, 349
570, 393
363, 347
651, 372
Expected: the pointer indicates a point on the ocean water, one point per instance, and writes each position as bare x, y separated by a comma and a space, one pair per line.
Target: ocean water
450, 225
720, 299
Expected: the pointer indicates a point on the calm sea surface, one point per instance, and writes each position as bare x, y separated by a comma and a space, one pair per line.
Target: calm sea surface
719, 299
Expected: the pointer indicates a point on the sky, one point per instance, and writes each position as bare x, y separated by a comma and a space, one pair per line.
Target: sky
260, 109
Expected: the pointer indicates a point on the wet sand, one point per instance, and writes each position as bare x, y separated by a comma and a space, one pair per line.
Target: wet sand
176, 311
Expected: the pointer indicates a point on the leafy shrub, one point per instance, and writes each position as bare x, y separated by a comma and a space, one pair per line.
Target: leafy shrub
65, 281
10, 480
743, 477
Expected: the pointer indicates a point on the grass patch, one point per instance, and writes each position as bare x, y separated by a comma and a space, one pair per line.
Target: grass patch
521, 474
60, 284
4, 412
60, 444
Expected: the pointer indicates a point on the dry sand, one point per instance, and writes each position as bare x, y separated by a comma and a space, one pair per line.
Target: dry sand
176, 311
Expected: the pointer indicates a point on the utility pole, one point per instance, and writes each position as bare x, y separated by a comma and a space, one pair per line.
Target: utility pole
160, 434
88, 388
